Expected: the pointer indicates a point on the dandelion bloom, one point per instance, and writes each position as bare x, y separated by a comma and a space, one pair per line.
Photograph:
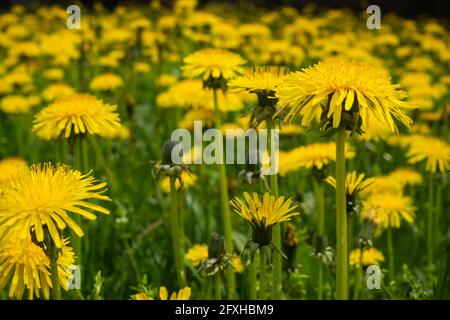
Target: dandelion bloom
10, 167
17, 104
46, 196
263, 212
76, 114
262, 80
434, 151
25, 266
183, 294
106, 81
369, 257
197, 254
212, 63
386, 209
337, 87
406, 176
354, 183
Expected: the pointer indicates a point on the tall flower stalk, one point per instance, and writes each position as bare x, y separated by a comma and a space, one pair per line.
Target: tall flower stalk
341, 220
216, 67
176, 234
342, 95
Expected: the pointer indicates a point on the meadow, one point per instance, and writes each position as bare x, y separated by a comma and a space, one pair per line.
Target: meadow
92, 205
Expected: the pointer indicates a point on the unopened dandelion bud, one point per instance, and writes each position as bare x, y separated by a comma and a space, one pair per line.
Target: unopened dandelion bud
216, 248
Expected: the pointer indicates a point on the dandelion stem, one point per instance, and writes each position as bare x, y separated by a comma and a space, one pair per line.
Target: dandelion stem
276, 232
320, 209
77, 164
174, 221
217, 287
262, 275
252, 278
358, 277
54, 277
390, 241
430, 241
224, 199
341, 220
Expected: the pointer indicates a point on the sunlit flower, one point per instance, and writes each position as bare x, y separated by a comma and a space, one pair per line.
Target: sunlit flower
25, 266
406, 176
197, 254
259, 80
47, 196
263, 212
345, 92
56, 91
18, 104
106, 81
183, 294
237, 264
76, 114
354, 183
212, 63
387, 209
370, 256
189, 180
434, 151
9, 167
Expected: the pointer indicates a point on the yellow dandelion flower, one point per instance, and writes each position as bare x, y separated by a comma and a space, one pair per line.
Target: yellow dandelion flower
47, 195
262, 80
24, 266
212, 63
106, 81
383, 184
387, 209
342, 89
56, 91
354, 183
76, 114
54, 74
9, 167
316, 155
183, 294
237, 264
263, 212
406, 176
189, 179
18, 104
28, 267
435, 152
197, 254
141, 296
166, 80
370, 256
142, 67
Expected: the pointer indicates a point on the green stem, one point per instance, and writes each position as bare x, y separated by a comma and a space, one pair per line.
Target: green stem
320, 209
175, 228
75, 239
390, 244
358, 277
438, 215
276, 232
54, 277
262, 275
320, 282
341, 220
217, 287
224, 200
430, 241
252, 279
